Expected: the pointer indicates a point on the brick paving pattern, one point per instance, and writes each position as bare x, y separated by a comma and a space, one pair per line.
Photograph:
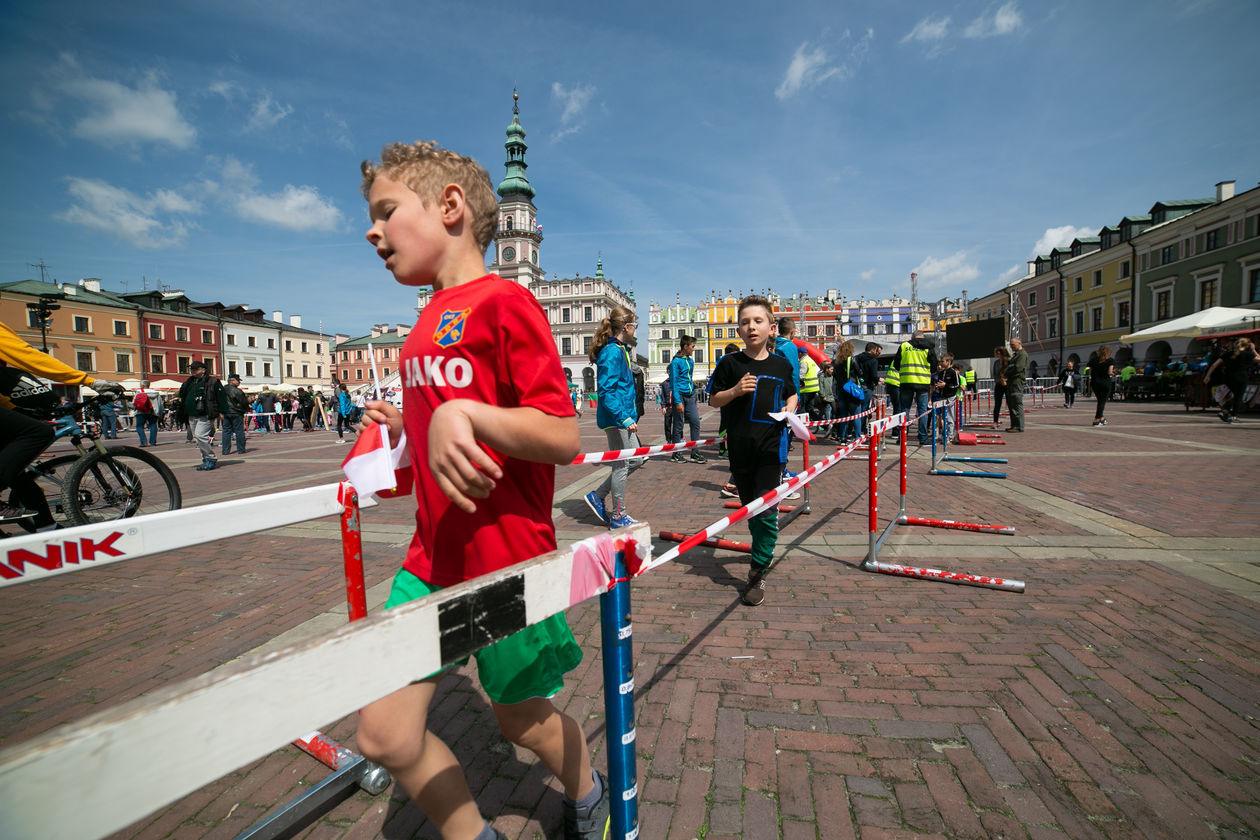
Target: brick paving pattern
1116, 698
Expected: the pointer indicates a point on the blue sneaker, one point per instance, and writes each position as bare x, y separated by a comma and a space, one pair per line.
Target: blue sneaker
621, 522
788, 474
596, 504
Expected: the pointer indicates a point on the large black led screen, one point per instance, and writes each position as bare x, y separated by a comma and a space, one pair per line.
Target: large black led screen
975, 339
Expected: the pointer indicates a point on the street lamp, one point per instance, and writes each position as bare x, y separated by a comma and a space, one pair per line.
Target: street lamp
43, 311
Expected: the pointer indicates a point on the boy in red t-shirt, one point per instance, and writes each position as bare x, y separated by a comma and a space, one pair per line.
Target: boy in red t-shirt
486, 416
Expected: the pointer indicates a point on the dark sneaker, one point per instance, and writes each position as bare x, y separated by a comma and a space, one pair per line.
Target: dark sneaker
729, 491
596, 504
592, 823
697, 458
755, 593
678, 458
1224, 415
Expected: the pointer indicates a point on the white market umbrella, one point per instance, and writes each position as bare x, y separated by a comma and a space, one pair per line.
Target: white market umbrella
1215, 319
166, 385
130, 384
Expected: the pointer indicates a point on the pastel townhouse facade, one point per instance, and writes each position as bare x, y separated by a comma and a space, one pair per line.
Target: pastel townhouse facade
1097, 291
303, 361
353, 358
251, 343
174, 334
666, 326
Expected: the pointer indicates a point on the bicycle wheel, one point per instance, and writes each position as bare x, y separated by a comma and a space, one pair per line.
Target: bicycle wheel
122, 482
50, 476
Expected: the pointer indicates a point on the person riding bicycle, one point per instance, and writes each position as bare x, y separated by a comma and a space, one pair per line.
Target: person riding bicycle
26, 403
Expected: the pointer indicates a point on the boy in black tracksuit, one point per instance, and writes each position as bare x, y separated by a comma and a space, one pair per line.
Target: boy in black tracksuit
747, 387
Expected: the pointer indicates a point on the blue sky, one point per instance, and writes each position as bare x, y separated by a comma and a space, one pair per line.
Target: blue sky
697, 146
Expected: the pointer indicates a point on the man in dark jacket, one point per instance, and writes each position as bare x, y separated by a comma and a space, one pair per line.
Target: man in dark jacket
203, 399
915, 361
267, 401
234, 417
867, 363
1015, 372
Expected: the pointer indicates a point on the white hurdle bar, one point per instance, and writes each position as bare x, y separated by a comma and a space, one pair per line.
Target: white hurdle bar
121, 764
42, 555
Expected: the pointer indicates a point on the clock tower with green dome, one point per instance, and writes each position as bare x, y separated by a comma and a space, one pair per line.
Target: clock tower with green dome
518, 235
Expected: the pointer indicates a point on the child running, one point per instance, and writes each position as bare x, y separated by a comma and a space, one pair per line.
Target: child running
748, 386
486, 416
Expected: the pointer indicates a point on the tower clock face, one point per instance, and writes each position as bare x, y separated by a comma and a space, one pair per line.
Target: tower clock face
509, 254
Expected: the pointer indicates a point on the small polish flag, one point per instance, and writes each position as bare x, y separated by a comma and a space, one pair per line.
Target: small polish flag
370, 464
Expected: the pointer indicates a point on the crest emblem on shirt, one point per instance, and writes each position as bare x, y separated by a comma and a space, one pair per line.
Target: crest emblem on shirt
451, 327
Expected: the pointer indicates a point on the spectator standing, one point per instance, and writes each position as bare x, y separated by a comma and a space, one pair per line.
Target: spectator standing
847, 405
1101, 371
234, 416
266, 407
1237, 364
810, 387
615, 412
682, 384
997, 370
827, 391
203, 399
109, 415
915, 361
945, 386
148, 410
1015, 371
345, 412
868, 377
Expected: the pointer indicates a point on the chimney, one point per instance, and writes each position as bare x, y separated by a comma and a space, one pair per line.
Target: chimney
377, 329
1224, 191
277, 316
403, 330
93, 284
294, 321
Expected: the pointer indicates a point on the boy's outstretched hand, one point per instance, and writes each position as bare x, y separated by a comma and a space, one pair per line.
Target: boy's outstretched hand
380, 411
462, 468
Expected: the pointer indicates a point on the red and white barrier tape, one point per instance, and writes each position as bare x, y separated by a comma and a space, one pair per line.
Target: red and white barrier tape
641, 452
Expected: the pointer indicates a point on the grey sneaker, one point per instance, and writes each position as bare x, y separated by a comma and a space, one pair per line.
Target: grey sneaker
592, 823
756, 591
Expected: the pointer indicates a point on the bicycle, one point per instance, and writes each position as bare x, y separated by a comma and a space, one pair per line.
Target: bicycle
98, 484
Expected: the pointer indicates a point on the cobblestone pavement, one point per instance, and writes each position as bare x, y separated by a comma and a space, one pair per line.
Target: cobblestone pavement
1116, 698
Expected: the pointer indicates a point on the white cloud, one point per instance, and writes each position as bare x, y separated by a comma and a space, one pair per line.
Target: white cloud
1060, 237
931, 33
868, 275
122, 115
266, 113
811, 66
950, 273
1013, 273
119, 212
293, 208
574, 101
1003, 21
228, 90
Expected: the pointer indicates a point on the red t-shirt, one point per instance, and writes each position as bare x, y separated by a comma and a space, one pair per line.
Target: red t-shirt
489, 341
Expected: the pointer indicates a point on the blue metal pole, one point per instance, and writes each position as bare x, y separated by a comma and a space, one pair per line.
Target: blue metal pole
616, 630
975, 460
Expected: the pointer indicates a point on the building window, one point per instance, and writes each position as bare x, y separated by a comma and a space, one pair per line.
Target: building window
182, 363
385, 353
83, 360
358, 355
565, 315
316, 349
266, 370
231, 339
1078, 322
1097, 278
1095, 319
1124, 270
665, 335
271, 344
587, 341
587, 314
1208, 293
120, 328
1050, 292
208, 361
386, 372
358, 374
181, 334
1052, 327
155, 363
566, 346
1122, 314
1168, 254
249, 368
1076, 284
231, 366
699, 356
306, 371
251, 341
830, 331
1163, 302
82, 325
288, 370
1253, 283
122, 362
288, 346
732, 332
345, 355
664, 357
1032, 298
1212, 240
207, 337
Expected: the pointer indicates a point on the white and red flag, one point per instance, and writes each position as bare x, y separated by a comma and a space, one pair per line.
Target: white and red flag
370, 464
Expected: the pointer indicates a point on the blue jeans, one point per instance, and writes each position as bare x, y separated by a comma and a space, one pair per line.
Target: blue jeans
109, 425
149, 421
690, 414
919, 399
233, 424
867, 395
848, 406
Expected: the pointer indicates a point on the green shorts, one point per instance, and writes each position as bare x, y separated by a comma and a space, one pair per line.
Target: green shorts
530, 663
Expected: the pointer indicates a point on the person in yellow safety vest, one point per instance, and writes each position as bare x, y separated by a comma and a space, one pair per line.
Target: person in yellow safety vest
892, 387
915, 361
809, 381
970, 376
